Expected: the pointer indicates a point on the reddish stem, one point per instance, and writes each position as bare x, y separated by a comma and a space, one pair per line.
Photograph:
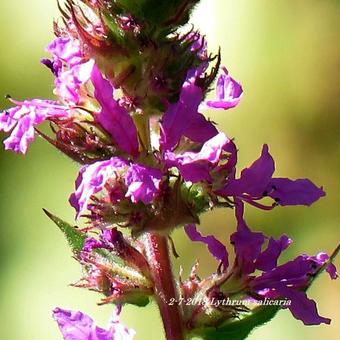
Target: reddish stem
157, 252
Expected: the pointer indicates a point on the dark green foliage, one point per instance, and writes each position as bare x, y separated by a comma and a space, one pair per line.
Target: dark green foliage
239, 329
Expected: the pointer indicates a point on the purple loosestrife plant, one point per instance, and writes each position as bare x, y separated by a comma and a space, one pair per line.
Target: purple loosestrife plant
131, 94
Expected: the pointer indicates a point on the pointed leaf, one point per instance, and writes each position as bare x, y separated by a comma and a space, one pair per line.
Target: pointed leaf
74, 237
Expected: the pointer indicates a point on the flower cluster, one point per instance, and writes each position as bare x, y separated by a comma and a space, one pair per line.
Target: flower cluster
132, 115
254, 252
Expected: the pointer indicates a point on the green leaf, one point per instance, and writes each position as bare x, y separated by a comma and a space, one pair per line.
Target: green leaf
74, 237
239, 329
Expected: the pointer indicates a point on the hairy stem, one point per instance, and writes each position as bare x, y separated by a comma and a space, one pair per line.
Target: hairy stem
157, 251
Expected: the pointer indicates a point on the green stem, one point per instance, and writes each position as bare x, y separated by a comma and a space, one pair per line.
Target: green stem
157, 251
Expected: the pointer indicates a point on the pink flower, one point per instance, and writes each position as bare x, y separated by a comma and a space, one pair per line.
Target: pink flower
79, 326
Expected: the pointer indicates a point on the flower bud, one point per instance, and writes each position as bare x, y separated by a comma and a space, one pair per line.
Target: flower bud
137, 46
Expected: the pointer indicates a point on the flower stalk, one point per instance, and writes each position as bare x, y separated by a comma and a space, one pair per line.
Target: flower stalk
165, 290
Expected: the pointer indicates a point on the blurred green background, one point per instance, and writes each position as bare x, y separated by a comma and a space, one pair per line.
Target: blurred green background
287, 56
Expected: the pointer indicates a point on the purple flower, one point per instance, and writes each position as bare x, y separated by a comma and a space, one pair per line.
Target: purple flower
331, 270
183, 119
228, 92
295, 273
247, 244
286, 281
79, 326
113, 117
142, 182
66, 50
69, 82
301, 306
200, 129
23, 118
197, 166
92, 179
71, 71
215, 247
91, 243
294, 192
267, 259
257, 182
179, 116
70, 68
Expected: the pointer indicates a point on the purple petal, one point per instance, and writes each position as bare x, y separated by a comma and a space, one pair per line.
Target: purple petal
247, 244
70, 68
215, 247
196, 167
228, 92
267, 260
79, 326
143, 183
23, 118
299, 192
22, 135
253, 180
200, 129
296, 272
92, 243
321, 259
228, 167
69, 82
92, 179
66, 50
178, 117
331, 270
301, 306
114, 118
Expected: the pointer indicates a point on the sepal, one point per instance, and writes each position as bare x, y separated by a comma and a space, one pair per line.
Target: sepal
138, 47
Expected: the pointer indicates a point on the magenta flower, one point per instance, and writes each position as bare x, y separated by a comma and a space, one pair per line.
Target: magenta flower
228, 92
256, 182
79, 326
142, 182
72, 71
70, 68
197, 166
180, 120
286, 281
114, 118
65, 50
179, 116
216, 248
22, 119
108, 238
200, 129
92, 179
